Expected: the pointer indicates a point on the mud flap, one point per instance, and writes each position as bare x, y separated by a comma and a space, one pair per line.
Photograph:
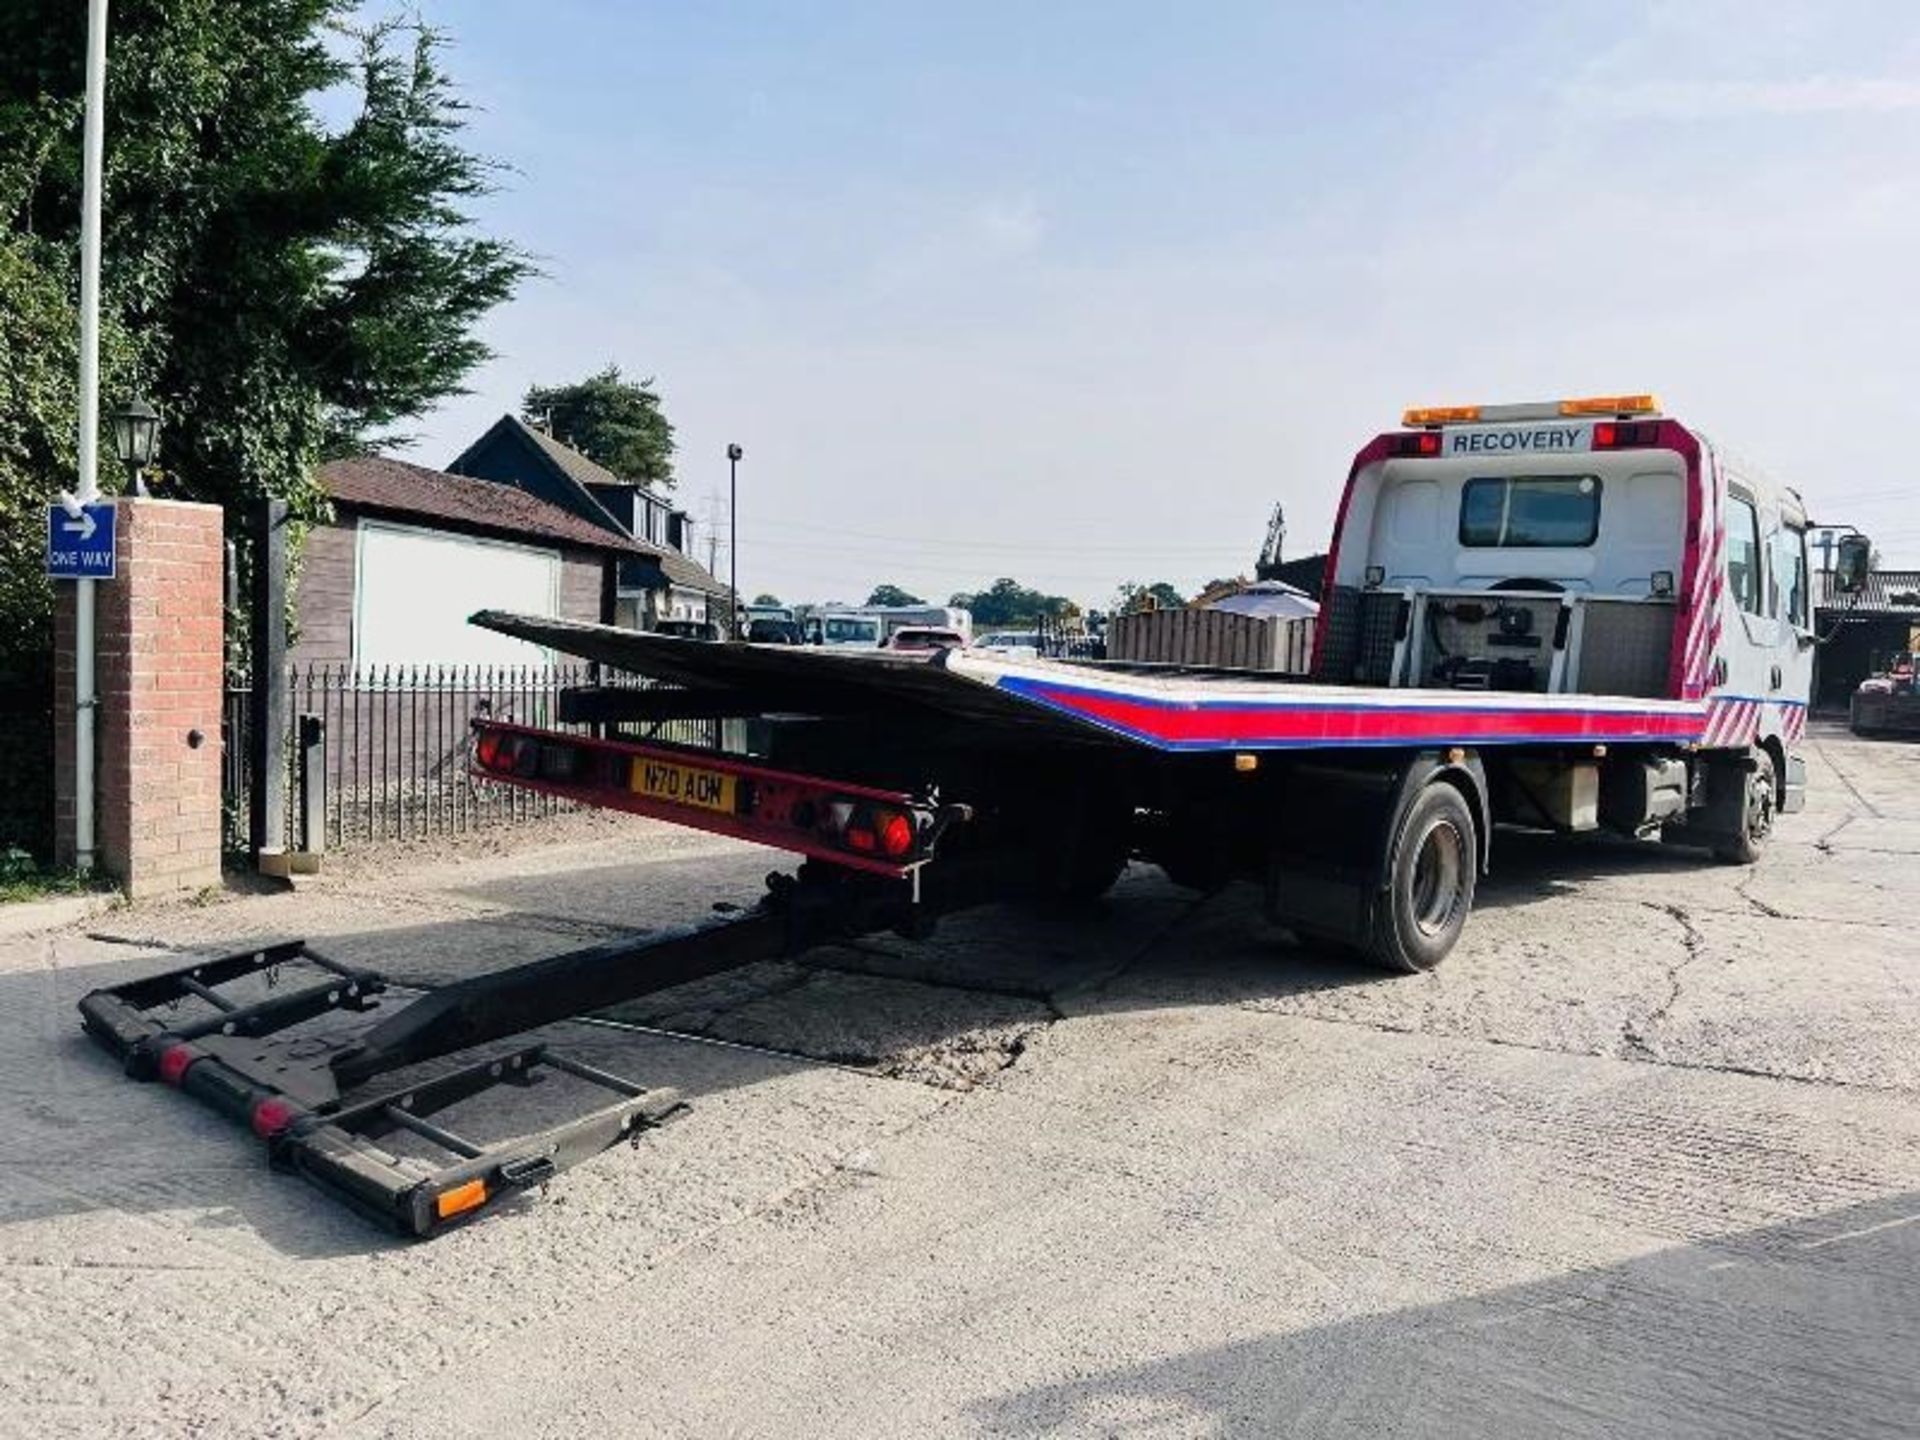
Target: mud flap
1332, 843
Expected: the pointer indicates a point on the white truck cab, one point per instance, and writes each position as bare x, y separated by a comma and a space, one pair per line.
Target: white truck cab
1583, 546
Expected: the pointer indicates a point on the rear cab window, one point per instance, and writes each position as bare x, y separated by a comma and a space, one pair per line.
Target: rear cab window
1530, 511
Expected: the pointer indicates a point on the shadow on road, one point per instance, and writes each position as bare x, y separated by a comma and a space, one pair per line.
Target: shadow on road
1804, 1328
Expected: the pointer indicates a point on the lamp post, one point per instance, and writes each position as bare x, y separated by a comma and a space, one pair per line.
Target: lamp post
734, 452
136, 428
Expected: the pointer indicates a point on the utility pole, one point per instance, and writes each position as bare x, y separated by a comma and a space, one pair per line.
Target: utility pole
87, 491
734, 452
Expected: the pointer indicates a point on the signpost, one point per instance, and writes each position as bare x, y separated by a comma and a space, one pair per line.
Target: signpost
80, 542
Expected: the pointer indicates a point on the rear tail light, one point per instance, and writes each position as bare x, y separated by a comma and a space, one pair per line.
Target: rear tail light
873, 829
896, 835
520, 755
493, 750
1625, 434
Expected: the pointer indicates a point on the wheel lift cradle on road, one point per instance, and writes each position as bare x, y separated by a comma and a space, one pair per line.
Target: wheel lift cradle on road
293, 1090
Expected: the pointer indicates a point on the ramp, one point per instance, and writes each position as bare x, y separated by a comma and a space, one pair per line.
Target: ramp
1162, 707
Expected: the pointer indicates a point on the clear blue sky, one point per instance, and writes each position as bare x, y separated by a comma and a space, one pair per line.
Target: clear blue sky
1075, 292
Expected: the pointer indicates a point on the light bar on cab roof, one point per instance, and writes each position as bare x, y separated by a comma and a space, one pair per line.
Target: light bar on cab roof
1434, 416
1611, 405
1442, 415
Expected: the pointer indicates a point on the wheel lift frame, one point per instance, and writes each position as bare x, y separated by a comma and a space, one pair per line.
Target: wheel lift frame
293, 1090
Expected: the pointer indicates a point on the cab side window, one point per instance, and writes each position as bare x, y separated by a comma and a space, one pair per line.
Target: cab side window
1790, 574
1744, 564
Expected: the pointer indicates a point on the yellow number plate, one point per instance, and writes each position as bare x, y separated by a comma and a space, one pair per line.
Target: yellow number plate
683, 785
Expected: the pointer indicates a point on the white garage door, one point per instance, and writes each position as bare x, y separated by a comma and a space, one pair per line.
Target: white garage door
416, 588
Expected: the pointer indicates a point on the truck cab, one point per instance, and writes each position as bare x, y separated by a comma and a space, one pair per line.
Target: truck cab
1588, 546
1593, 547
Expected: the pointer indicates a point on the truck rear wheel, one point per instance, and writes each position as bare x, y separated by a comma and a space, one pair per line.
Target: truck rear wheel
1758, 805
1430, 882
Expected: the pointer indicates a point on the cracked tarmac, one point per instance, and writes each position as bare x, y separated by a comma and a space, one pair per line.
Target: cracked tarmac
1641, 1157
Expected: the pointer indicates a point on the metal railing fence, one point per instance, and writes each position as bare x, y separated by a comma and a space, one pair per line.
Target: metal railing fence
393, 752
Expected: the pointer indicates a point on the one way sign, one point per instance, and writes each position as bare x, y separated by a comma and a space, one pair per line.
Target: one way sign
80, 542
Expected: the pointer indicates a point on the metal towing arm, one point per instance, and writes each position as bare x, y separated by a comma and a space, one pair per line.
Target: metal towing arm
234, 1032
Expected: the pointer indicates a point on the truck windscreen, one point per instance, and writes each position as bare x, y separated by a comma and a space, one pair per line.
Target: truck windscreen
1513, 511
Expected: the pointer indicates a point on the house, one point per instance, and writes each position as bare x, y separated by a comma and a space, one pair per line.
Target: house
410, 553
660, 580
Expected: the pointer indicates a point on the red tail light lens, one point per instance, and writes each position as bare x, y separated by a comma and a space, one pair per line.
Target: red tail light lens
896, 835
859, 837
1422, 443
1625, 435
494, 751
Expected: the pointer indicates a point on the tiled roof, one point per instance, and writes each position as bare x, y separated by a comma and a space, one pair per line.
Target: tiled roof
577, 466
376, 482
682, 571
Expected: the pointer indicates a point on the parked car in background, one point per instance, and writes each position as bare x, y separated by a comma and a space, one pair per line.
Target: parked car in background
773, 632
847, 629
1011, 644
923, 640
688, 629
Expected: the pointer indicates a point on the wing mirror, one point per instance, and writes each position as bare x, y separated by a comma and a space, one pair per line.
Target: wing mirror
1853, 559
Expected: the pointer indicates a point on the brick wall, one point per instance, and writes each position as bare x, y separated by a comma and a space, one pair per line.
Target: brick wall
159, 634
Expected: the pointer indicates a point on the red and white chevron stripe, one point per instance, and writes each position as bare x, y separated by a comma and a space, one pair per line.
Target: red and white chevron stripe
1733, 722
1706, 583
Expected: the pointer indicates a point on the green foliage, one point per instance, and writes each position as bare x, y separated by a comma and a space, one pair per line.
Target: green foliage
1008, 602
39, 400
281, 290
22, 878
1158, 596
892, 595
612, 421
765, 599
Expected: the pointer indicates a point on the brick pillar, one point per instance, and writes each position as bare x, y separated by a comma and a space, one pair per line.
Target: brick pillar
160, 675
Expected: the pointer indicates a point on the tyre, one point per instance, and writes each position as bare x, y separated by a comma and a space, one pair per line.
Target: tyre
1759, 804
1430, 882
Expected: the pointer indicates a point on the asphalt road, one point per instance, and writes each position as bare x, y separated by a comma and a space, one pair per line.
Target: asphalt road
1643, 1158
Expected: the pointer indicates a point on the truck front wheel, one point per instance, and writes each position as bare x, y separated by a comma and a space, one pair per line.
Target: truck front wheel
1754, 822
1430, 881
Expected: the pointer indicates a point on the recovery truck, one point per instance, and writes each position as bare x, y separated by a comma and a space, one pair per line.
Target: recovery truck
1580, 615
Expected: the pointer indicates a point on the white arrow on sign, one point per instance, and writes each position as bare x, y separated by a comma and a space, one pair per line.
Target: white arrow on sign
83, 527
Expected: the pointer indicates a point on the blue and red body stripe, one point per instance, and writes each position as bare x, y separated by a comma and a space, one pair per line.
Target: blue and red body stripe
1306, 721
